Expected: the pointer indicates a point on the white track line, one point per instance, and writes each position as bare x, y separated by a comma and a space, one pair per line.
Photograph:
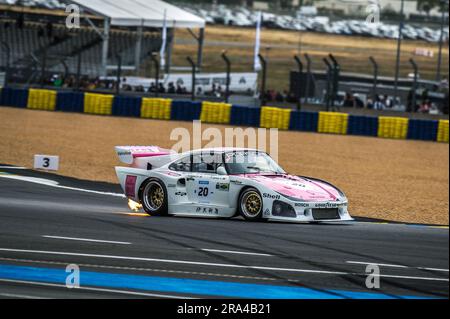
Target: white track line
51, 183
395, 266
12, 167
89, 240
16, 296
235, 252
210, 264
124, 292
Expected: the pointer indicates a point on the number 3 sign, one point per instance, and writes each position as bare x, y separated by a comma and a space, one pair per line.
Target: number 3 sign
46, 162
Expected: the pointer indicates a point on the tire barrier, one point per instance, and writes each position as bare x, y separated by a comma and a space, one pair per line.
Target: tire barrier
100, 104
222, 113
70, 102
273, 117
392, 127
362, 125
186, 111
217, 113
41, 100
14, 97
442, 134
245, 116
424, 130
127, 106
333, 122
304, 121
154, 108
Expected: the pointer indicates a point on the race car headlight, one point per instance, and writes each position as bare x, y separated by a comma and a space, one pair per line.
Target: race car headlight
280, 208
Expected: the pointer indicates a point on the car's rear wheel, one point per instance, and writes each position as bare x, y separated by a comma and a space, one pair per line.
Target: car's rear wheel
251, 204
154, 198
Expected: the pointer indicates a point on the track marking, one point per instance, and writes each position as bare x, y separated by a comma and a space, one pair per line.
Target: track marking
16, 296
235, 252
12, 167
52, 183
123, 292
212, 264
396, 266
143, 269
88, 240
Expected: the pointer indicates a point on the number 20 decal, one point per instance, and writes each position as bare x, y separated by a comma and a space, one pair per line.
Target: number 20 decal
203, 191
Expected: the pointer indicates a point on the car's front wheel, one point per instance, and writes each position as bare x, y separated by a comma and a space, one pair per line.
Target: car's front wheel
251, 204
154, 198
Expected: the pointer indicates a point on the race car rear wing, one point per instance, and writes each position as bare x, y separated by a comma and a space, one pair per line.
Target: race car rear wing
142, 156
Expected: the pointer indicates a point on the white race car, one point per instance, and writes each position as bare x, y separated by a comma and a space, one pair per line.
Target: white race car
224, 183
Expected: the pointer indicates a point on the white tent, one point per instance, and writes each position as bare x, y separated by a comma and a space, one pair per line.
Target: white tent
140, 14
147, 13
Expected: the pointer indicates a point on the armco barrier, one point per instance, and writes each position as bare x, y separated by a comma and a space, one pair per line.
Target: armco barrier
127, 106
304, 121
425, 130
218, 113
185, 110
442, 135
245, 116
154, 108
333, 122
362, 125
273, 117
70, 102
392, 127
98, 103
14, 97
41, 99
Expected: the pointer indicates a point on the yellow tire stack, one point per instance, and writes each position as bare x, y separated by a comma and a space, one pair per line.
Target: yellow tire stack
98, 103
333, 122
393, 127
218, 113
41, 99
442, 135
154, 108
274, 117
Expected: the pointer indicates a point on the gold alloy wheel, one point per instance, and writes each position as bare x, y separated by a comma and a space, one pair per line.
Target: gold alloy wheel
251, 204
154, 196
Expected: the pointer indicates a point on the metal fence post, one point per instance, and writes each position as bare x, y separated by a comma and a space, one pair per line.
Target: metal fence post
414, 87
8, 57
263, 84
228, 70
300, 71
43, 66
308, 77
328, 88
375, 77
156, 65
78, 72
335, 83
191, 62
119, 73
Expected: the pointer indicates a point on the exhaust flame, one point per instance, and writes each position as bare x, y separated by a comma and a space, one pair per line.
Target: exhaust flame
134, 206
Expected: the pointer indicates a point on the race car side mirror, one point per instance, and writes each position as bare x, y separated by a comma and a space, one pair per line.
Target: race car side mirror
221, 171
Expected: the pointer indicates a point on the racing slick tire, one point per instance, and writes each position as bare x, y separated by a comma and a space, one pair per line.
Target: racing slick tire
250, 204
154, 198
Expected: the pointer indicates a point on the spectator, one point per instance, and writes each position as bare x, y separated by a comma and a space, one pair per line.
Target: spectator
349, 100
378, 104
179, 89
171, 89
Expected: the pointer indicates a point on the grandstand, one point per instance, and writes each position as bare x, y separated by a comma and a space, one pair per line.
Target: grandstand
38, 37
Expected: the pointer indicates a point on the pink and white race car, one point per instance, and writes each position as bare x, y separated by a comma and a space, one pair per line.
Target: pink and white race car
224, 183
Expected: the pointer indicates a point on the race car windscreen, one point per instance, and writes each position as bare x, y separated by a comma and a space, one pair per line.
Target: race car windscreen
244, 162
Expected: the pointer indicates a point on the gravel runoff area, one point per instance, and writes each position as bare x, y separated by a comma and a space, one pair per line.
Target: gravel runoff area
396, 180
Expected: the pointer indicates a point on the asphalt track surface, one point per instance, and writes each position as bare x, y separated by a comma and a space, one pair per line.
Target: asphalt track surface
51, 222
